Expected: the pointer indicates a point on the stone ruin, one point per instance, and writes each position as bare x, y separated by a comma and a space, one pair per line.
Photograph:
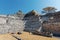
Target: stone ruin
30, 22
11, 25
19, 22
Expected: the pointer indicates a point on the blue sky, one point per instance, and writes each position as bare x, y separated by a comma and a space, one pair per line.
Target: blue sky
12, 6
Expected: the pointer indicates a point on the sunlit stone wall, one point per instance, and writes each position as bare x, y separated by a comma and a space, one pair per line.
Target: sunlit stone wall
11, 25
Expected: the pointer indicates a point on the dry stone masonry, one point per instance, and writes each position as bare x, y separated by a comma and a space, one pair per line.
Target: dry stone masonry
19, 22
29, 22
13, 25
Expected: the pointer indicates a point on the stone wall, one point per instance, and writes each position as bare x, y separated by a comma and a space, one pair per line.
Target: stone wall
32, 23
52, 27
12, 26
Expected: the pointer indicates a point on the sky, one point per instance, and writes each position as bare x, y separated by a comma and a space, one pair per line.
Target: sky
12, 6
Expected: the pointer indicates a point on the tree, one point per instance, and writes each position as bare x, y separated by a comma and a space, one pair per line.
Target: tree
19, 13
49, 10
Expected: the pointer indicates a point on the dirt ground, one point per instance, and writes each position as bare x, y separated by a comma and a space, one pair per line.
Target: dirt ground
24, 36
